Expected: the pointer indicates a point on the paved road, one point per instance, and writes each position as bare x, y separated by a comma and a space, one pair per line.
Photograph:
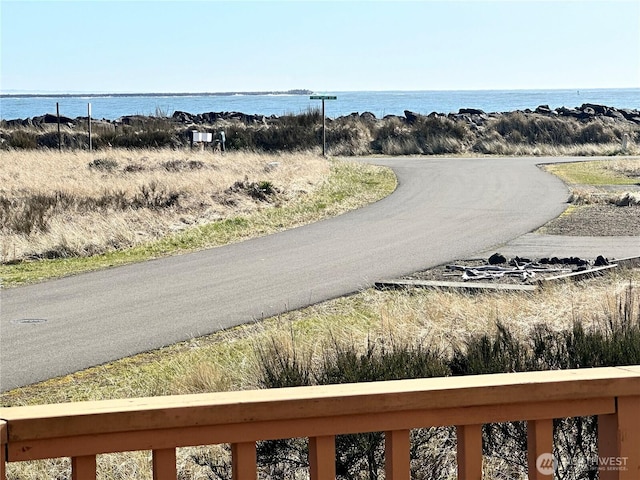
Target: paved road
443, 209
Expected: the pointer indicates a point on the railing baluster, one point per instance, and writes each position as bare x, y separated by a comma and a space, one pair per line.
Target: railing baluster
539, 441
243, 460
3, 450
469, 452
322, 458
83, 468
397, 456
164, 464
619, 441
607, 442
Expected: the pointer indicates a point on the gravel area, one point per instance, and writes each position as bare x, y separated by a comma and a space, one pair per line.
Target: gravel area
596, 221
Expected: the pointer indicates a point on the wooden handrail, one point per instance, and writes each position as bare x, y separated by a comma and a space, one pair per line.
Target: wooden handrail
82, 430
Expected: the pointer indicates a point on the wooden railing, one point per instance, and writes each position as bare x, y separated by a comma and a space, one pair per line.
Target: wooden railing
160, 424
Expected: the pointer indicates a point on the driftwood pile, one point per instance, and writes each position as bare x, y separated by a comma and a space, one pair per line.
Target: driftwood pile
498, 268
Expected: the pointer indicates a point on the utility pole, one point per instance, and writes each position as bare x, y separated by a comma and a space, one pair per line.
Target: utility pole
89, 118
59, 134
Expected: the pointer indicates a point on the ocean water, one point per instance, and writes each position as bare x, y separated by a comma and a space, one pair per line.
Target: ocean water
379, 103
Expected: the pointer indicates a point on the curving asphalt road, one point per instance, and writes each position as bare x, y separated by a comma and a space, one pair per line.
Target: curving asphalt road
443, 209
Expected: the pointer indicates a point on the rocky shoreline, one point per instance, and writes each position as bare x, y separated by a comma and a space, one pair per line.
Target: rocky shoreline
589, 129
585, 113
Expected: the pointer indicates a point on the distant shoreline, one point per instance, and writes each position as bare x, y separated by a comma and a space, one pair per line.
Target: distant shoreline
183, 94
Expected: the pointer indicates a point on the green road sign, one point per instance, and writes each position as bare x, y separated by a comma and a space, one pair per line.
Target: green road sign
323, 97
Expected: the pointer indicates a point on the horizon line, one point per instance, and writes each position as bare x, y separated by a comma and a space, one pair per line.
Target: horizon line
46, 94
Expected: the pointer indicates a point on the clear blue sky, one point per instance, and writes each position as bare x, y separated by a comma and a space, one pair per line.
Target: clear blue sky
214, 46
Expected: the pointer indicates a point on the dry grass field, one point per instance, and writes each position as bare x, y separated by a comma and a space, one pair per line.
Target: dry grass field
80, 203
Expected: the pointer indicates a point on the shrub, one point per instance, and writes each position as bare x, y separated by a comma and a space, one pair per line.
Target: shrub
180, 165
393, 138
22, 139
439, 135
263, 191
104, 164
595, 132
535, 129
154, 197
615, 341
32, 212
282, 366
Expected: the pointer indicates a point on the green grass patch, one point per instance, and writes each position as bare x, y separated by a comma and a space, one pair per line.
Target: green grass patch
590, 173
349, 186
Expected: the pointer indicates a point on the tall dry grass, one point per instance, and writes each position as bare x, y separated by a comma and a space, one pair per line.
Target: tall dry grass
607, 182
81, 203
629, 167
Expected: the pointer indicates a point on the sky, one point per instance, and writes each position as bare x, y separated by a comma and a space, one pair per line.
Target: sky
324, 46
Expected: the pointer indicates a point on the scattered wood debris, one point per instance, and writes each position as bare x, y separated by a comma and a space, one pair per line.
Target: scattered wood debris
523, 269
500, 273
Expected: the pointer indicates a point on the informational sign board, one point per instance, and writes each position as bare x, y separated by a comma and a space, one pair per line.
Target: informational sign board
202, 137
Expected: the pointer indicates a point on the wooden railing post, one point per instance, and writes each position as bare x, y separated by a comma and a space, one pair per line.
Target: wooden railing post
322, 458
164, 464
540, 442
619, 441
469, 452
83, 468
3, 450
397, 455
243, 461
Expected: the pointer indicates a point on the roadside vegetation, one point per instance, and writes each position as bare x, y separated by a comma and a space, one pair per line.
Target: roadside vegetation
470, 132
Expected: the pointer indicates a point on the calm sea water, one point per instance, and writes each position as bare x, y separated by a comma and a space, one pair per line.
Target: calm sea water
378, 103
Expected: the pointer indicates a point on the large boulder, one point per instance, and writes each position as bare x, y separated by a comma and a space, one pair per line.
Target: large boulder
569, 112
615, 114
629, 114
471, 111
543, 110
597, 109
50, 118
411, 116
182, 117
